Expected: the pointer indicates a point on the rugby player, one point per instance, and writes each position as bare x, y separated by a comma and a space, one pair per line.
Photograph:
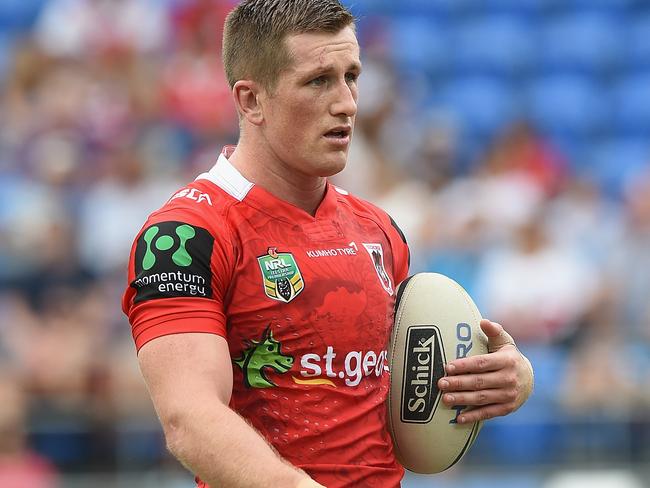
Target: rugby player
261, 296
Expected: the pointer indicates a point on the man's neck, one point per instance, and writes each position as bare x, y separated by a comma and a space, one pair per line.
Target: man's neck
305, 192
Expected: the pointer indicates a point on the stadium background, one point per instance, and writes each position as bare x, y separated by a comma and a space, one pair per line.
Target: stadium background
509, 138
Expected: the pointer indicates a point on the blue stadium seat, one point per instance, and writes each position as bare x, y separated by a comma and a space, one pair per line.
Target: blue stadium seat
365, 7
591, 42
429, 8
482, 104
638, 44
567, 105
18, 16
420, 44
615, 161
600, 4
497, 44
521, 7
632, 104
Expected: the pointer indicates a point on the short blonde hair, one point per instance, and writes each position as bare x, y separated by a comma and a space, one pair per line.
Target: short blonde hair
255, 31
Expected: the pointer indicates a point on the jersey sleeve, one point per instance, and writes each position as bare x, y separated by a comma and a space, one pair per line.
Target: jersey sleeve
179, 271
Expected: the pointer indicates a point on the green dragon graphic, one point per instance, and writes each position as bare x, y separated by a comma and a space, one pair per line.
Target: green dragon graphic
261, 354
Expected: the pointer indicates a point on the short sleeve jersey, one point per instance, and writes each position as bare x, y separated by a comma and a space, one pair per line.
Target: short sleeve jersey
306, 306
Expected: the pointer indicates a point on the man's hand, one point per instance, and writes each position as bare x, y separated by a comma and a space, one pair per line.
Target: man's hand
495, 384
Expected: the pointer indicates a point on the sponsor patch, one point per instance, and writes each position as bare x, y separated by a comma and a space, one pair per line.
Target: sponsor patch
172, 259
351, 250
423, 365
281, 275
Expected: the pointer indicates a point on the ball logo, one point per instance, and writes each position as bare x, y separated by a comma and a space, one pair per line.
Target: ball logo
423, 366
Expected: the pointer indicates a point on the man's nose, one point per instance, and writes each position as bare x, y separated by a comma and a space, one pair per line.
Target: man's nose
345, 102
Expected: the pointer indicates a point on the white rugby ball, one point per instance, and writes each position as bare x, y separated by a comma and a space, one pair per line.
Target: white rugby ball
436, 322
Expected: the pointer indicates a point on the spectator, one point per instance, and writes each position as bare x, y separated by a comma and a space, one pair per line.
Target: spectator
542, 289
113, 209
19, 466
80, 28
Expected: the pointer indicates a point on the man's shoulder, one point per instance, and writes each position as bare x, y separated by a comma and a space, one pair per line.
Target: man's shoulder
198, 203
201, 196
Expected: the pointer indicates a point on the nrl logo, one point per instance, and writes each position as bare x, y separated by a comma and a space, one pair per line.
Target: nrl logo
282, 278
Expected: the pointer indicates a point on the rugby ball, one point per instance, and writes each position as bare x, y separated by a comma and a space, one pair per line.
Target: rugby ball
436, 322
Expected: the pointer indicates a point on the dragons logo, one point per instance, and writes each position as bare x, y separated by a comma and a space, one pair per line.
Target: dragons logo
260, 355
376, 253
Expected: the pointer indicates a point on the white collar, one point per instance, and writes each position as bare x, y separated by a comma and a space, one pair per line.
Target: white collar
228, 178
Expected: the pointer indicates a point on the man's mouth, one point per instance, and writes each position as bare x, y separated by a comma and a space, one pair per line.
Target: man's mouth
340, 133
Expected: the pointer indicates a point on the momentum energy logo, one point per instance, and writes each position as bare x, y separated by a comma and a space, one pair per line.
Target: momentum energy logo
172, 259
423, 363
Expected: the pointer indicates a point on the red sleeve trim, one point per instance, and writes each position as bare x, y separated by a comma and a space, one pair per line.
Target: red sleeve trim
184, 325
168, 316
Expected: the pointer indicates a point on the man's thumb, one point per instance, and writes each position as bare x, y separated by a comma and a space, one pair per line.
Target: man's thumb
497, 336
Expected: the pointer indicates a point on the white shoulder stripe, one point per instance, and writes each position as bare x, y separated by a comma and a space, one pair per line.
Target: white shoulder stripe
225, 176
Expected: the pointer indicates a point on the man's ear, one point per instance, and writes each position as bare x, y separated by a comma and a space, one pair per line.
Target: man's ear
246, 94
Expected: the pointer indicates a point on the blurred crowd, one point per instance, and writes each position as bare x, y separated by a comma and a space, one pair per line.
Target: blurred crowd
108, 106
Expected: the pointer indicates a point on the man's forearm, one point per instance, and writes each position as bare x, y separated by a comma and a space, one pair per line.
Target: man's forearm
226, 452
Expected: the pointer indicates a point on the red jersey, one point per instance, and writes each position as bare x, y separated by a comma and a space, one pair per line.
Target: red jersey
305, 303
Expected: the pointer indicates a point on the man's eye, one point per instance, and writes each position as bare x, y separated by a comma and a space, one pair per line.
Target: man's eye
351, 77
321, 80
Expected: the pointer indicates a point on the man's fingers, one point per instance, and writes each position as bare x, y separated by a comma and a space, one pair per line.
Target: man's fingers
478, 364
476, 382
485, 413
481, 397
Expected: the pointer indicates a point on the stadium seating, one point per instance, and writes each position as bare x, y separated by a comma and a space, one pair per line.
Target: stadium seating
590, 42
568, 105
499, 45
482, 104
420, 44
615, 161
578, 69
17, 16
637, 54
632, 104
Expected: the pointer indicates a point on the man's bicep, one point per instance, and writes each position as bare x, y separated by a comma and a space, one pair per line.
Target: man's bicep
186, 368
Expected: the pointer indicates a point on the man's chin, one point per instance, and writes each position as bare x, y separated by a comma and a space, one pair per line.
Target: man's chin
334, 166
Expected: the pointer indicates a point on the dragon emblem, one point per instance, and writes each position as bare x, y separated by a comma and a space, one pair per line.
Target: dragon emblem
259, 356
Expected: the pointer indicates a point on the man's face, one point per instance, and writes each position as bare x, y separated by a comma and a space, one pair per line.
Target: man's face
309, 117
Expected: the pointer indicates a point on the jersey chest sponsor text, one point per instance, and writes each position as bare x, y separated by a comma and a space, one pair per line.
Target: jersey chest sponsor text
263, 360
